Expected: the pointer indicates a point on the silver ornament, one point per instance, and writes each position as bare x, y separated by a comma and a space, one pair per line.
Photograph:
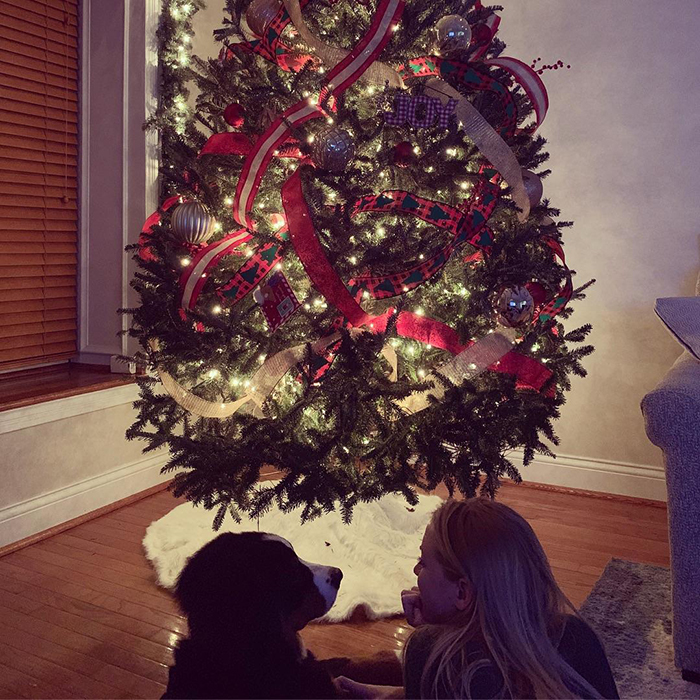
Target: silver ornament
453, 33
260, 13
515, 306
333, 149
191, 223
533, 187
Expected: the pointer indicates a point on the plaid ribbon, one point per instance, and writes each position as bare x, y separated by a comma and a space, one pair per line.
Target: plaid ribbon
467, 226
557, 304
249, 275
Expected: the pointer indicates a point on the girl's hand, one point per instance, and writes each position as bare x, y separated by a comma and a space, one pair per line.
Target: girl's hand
412, 607
347, 688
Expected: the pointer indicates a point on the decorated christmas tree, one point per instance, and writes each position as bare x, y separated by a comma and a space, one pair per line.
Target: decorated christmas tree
352, 278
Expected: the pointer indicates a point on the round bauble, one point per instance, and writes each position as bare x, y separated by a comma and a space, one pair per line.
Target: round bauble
514, 307
533, 187
191, 223
403, 154
260, 13
233, 115
333, 149
453, 33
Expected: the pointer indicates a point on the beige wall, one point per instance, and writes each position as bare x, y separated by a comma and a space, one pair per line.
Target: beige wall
622, 132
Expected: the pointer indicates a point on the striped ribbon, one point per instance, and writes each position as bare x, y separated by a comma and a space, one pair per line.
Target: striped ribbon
339, 78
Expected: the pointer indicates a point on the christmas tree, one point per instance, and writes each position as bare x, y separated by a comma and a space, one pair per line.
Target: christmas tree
352, 278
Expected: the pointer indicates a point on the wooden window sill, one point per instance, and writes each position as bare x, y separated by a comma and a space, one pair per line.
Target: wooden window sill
33, 386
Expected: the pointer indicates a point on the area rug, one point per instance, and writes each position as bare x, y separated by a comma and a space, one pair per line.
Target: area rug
630, 609
376, 552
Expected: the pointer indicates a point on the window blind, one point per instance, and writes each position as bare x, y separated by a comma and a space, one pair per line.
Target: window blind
38, 181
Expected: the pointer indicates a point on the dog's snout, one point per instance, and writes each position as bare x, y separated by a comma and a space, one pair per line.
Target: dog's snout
335, 576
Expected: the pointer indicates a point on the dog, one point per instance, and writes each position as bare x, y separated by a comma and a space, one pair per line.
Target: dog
246, 596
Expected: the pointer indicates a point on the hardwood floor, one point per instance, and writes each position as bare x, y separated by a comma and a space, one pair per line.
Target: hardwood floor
81, 615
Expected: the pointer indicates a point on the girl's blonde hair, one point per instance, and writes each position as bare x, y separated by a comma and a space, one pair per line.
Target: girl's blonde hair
517, 613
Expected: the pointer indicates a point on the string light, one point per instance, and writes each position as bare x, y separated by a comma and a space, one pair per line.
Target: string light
216, 309
261, 358
213, 373
353, 259
472, 365
421, 373
228, 201
185, 262
420, 311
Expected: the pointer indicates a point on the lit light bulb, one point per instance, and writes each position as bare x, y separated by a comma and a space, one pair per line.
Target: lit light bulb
216, 309
464, 185
185, 262
420, 311
353, 259
228, 201
472, 365
421, 373
381, 230
213, 373
261, 358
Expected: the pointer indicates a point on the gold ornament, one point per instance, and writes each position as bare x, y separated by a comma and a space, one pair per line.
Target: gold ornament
191, 223
453, 33
333, 149
515, 307
260, 13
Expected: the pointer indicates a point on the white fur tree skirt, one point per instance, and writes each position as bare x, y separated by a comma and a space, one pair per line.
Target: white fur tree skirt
376, 552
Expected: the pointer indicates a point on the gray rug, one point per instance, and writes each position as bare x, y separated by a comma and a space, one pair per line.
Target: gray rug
630, 609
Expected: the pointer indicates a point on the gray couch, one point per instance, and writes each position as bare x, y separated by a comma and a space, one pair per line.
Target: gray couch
672, 416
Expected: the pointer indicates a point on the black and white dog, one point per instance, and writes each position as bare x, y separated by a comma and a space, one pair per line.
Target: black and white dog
245, 597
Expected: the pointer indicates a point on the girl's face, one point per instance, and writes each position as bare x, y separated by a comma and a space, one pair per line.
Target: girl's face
441, 597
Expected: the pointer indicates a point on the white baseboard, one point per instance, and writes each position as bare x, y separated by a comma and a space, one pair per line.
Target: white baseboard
623, 479
48, 510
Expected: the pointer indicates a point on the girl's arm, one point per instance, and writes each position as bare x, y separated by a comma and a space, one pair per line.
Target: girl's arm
348, 688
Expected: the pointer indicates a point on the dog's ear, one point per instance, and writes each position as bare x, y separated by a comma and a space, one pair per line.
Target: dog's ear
222, 587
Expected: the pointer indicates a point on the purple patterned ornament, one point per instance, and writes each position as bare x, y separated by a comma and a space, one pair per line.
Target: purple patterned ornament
407, 108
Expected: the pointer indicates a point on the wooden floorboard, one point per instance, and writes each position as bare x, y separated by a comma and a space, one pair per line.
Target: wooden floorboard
83, 617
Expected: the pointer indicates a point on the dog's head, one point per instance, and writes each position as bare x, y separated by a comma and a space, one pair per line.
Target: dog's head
253, 581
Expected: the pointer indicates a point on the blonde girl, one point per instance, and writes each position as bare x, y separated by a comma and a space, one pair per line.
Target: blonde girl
491, 620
